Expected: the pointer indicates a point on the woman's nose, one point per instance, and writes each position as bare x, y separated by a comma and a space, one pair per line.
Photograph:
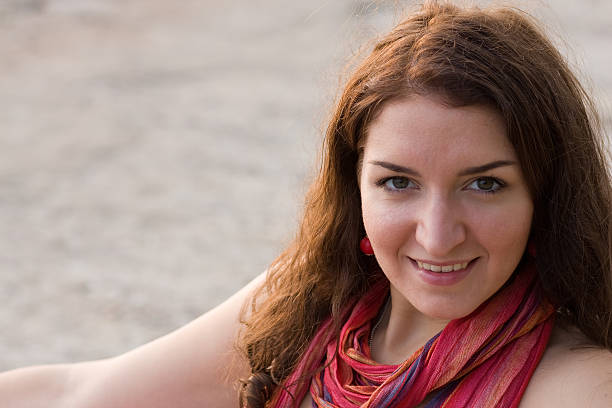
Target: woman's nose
440, 227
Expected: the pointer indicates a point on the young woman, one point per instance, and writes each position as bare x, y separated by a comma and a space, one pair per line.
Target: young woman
462, 140
454, 250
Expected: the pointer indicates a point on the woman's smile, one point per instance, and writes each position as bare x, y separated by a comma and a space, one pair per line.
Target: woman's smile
444, 203
445, 273
441, 267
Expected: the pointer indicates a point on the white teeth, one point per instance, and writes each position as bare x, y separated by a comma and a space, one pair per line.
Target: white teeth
438, 268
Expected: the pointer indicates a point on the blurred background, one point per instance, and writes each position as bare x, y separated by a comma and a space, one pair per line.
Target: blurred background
154, 154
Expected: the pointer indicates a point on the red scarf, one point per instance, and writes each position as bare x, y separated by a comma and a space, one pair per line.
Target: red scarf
482, 360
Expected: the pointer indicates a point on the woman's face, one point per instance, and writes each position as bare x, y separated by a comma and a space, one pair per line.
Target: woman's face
444, 203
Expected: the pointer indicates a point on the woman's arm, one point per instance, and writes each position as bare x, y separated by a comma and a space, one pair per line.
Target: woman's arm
195, 366
35, 387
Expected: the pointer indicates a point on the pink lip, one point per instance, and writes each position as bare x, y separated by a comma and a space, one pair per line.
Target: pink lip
443, 278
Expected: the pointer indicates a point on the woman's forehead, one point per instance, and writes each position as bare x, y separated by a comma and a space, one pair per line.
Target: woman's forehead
424, 127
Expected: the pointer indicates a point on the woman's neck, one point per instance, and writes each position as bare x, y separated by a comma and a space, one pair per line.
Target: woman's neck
402, 331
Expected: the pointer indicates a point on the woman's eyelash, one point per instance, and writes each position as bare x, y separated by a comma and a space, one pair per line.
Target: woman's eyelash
396, 183
486, 185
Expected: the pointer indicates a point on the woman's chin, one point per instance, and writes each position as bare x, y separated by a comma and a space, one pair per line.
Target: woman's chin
435, 306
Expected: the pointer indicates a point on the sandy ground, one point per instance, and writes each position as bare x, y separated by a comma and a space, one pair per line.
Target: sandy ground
154, 153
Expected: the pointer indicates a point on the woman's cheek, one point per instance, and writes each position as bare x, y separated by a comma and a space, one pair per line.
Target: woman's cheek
387, 225
502, 230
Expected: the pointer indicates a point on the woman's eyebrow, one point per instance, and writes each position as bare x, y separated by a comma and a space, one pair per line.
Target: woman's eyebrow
395, 167
485, 167
466, 172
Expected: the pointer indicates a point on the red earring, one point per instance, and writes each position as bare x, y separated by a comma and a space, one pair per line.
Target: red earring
366, 246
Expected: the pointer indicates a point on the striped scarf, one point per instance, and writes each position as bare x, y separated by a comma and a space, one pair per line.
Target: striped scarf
482, 360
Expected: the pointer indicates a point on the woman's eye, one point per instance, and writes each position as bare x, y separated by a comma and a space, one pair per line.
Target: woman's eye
486, 185
397, 183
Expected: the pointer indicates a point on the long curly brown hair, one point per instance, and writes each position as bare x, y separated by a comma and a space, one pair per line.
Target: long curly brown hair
496, 57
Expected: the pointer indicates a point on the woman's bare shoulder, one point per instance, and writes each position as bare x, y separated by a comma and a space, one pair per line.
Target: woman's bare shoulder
572, 373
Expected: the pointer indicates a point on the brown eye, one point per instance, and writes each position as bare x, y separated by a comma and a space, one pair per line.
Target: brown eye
398, 183
486, 185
